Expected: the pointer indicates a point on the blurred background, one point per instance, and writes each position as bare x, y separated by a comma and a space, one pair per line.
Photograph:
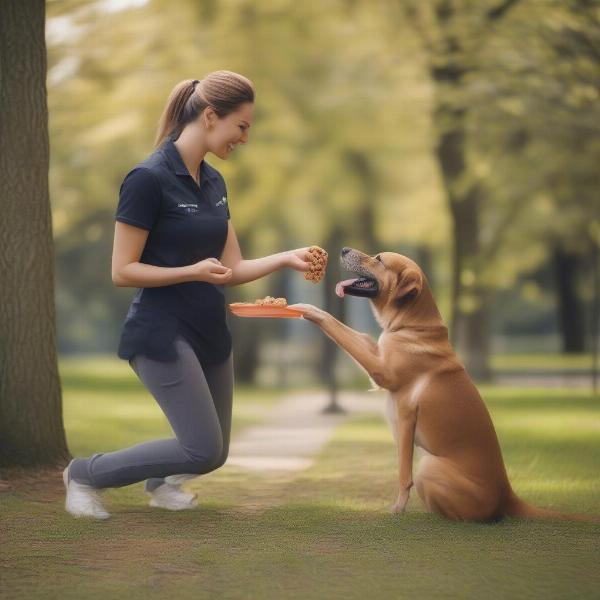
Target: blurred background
463, 134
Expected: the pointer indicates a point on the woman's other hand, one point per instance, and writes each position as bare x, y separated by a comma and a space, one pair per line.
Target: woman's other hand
211, 271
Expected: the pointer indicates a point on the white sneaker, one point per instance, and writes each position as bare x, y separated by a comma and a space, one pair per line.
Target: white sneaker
83, 500
181, 478
171, 497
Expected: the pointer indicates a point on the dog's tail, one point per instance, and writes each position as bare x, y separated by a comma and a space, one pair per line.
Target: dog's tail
515, 507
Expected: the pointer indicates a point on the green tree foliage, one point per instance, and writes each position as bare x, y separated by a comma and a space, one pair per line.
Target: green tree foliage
458, 130
516, 104
535, 141
339, 140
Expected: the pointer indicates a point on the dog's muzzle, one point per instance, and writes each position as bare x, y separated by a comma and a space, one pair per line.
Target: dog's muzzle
365, 286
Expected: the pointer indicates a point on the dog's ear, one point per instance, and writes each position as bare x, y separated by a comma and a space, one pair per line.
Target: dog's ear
408, 286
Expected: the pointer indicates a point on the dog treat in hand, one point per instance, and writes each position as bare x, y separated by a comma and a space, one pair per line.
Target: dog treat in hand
270, 301
318, 264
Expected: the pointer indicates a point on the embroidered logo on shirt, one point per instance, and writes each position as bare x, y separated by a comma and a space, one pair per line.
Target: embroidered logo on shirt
223, 200
189, 208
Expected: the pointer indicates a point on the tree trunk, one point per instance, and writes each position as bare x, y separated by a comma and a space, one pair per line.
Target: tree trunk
570, 306
31, 427
470, 320
595, 315
469, 323
246, 344
360, 165
365, 222
281, 289
246, 334
472, 333
334, 306
424, 258
448, 64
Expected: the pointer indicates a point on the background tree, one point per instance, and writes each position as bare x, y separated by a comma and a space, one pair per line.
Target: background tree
325, 143
353, 144
453, 33
535, 119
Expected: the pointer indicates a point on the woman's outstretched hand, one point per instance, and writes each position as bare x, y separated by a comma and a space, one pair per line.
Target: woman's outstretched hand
298, 259
212, 271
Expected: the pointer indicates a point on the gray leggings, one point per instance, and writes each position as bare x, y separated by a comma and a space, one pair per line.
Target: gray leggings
197, 402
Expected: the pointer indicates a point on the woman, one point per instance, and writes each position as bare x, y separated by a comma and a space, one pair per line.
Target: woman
175, 242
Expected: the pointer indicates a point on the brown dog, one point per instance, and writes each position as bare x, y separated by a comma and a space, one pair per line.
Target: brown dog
432, 401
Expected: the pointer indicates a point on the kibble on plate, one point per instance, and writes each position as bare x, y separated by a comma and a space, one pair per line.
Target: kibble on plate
270, 301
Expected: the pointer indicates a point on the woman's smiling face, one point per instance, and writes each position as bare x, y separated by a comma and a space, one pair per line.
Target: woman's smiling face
224, 134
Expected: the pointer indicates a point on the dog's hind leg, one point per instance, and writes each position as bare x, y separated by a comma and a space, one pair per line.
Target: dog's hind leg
448, 492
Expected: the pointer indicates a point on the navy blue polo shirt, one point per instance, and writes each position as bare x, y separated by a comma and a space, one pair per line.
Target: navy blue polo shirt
186, 223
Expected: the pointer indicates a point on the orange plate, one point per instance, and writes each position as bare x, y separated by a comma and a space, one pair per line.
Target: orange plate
242, 309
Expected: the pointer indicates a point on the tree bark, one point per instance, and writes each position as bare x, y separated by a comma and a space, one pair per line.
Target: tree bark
569, 304
448, 64
360, 165
470, 328
31, 427
246, 334
334, 306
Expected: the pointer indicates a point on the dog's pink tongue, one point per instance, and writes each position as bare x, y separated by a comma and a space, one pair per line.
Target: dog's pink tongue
339, 288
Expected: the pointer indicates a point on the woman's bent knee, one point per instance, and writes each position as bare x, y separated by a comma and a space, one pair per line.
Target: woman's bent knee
222, 459
206, 459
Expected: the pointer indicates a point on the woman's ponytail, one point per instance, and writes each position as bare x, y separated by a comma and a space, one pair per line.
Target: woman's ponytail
224, 91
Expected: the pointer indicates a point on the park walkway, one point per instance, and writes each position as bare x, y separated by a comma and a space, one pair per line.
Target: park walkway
297, 430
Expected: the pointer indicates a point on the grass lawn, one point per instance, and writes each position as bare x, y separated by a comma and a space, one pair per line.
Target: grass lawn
323, 533
550, 362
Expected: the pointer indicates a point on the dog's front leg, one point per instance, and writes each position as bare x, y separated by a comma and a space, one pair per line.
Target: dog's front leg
405, 439
360, 346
